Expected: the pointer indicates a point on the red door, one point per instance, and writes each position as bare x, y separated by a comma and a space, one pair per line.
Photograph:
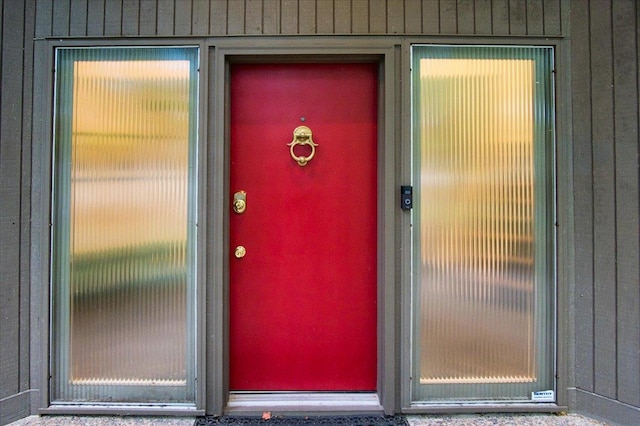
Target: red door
303, 297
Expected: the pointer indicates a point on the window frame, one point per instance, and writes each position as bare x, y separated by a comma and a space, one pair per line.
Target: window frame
561, 262
41, 229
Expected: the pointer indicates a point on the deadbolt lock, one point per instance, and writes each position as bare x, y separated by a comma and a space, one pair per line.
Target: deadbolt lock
239, 202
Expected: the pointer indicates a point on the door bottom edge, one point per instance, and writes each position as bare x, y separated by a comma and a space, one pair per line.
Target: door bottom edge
299, 403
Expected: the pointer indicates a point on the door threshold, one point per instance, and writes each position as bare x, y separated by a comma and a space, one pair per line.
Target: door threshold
298, 403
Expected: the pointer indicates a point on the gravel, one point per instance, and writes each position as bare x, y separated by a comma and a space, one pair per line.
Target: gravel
414, 420
504, 419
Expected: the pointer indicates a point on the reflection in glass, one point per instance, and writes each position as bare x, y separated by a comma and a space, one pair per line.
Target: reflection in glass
124, 178
477, 290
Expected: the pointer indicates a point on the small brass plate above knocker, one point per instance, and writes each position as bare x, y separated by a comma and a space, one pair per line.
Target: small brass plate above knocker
302, 136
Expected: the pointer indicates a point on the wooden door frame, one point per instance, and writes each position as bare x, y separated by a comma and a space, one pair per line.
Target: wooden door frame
218, 398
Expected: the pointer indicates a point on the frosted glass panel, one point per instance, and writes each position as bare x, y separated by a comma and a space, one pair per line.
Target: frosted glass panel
123, 243
482, 218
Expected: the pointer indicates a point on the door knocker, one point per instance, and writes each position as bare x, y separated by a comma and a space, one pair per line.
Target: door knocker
302, 136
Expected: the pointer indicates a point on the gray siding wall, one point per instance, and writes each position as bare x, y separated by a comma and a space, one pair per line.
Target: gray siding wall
78, 18
17, 26
603, 79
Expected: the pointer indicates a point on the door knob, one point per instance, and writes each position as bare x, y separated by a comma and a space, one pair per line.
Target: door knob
239, 252
239, 202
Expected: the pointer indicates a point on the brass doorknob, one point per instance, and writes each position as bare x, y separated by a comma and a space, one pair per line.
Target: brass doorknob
240, 252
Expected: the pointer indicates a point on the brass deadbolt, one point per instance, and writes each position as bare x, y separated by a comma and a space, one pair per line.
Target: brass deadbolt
239, 202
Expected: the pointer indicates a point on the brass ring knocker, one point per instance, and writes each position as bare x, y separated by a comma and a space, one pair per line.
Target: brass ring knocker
302, 136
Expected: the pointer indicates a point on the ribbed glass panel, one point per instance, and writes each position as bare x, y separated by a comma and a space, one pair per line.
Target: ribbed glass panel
482, 128
123, 237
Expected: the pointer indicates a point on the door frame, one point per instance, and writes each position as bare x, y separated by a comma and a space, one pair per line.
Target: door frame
218, 398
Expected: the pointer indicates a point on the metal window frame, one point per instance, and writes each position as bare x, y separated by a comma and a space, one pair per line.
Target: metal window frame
548, 179
41, 287
561, 264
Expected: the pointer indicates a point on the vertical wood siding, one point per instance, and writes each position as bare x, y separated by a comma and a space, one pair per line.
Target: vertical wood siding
604, 60
625, 82
10, 182
604, 41
16, 61
583, 195
291, 17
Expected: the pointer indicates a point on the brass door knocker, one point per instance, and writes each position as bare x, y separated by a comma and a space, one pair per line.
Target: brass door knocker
302, 136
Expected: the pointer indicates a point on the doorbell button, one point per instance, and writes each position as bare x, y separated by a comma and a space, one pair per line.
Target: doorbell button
406, 197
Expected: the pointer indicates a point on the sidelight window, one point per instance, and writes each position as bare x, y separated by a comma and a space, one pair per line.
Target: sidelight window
123, 263
483, 295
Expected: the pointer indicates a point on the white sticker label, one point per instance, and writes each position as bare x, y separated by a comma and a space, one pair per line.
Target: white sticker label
543, 396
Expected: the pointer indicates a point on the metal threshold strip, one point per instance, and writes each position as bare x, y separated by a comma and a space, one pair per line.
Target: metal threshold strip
307, 402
